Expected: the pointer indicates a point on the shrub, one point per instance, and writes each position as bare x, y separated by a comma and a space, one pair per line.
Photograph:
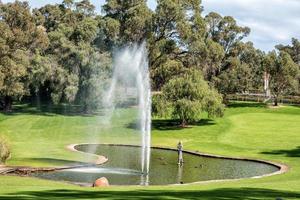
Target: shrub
186, 97
4, 151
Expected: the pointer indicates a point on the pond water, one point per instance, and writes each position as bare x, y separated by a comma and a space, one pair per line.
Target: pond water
123, 168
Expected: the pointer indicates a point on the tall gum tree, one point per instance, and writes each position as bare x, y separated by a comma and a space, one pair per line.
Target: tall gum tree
72, 29
126, 21
20, 39
178, 36
283, 74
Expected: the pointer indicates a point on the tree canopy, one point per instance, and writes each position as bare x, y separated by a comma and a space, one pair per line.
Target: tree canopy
21, 40
186, 97
63, 52
284, 73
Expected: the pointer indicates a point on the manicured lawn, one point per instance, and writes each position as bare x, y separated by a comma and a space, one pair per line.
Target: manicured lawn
247, 130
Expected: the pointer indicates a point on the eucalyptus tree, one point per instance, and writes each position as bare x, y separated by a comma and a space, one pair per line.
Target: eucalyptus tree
72, 29
21, 39
126, 22
225, 31
252, 57
293, 50
242, 73
179, 37
283, 74
234, 79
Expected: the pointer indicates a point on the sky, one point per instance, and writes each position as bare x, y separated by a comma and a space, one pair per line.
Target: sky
272, 22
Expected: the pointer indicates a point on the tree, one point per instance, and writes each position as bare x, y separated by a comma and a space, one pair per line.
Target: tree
165, 72
179, 38
225, 31
78, 69
20, 40
293, 50
252, 57
128, 21
283, 74
243, 72
94, 76
85, 8
187, 97
237, 78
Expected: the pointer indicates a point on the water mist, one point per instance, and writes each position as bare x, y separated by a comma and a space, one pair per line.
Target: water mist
131, 78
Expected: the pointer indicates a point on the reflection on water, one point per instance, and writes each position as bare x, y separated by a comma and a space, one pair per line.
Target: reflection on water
123, 168
144, 179
179, 175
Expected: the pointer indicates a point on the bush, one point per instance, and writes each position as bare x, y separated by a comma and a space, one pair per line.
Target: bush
160, 107
4, 151
186, 97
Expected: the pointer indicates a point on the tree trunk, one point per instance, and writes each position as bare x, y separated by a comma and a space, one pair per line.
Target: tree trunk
7, 104
225, 100
183, 123
275, 101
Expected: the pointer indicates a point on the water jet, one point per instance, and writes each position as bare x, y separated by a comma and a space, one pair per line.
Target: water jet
131, 77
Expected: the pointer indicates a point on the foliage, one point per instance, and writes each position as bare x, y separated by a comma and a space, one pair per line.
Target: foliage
126, 21
80, 67
283, 74
4, 150
20, 40
188, 96
178, 39
240, 67
237, 78
225, 31
63, 51
293, 50
93, 80
160, 107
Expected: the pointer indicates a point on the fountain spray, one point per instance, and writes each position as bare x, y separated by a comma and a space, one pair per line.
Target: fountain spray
131, 73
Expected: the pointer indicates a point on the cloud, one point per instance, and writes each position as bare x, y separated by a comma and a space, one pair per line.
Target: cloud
271, 22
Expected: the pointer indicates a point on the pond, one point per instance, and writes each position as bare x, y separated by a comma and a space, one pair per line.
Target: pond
123, 168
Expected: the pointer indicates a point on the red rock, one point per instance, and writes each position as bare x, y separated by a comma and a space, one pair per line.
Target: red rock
101, 182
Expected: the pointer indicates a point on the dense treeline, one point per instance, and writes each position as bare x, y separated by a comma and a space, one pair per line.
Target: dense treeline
63, 53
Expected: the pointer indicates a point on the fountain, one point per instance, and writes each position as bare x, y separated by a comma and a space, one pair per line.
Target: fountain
131, 78
130, 88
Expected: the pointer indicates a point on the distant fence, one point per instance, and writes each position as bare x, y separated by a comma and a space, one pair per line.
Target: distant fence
262, 98
256, 96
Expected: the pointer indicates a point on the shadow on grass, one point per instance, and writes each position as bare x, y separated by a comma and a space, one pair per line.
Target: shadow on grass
235, 104
295, 105
217, 194
289, 153
133, 125
48, 109
175, 124
165, 124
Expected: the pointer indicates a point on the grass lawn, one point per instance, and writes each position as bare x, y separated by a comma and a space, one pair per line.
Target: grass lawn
247, 130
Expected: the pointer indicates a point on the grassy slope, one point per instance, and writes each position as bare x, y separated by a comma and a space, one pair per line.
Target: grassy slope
247, 130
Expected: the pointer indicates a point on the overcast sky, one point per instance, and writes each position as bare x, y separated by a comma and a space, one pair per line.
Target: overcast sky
271, 21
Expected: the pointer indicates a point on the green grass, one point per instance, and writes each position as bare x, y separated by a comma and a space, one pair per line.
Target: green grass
247, 130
